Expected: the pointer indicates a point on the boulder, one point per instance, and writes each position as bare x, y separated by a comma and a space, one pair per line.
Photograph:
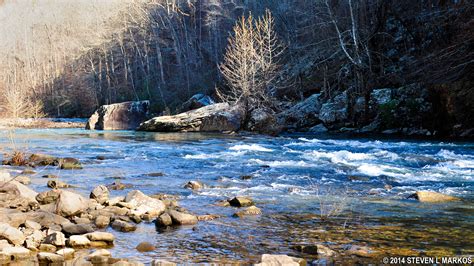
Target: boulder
143, 204
241, 202
68, 163
34, 240
42, 159
319, 128
100, 194
123, 226
119, 116
11, 234
8, 185
100, 256
32, 225
216, 117
79, 241
47, 248
145, 247
70, 204
303, 114
433, 197
48, 258
46, 219
196, 101
277, 260
181, 218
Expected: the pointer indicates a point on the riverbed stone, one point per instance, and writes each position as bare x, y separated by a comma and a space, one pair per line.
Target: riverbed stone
100, 194
118, 185
143, 204
100, 256
70, 204
34, 240
4, 244
123, 226
101, 236
32, 225
17, 253
79, 241
77, 229
145, 247
49, 196
241, 202
181, 218
433, 197
50, 176
46, 219
159, 262
55, 184
164, 220
102, 221
46, 257
55, 238
250, 211
47, 247
11, 234
67, 253
274, 260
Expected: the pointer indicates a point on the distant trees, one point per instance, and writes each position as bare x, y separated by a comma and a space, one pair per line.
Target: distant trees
250, 64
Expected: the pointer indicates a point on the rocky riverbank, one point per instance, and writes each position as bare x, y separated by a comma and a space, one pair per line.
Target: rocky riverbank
42, 123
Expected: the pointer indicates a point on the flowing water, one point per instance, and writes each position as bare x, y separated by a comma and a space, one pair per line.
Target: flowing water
296, 181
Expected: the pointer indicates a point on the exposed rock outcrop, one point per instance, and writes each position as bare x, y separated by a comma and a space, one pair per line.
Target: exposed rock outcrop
303, 114
119, 116
212, 118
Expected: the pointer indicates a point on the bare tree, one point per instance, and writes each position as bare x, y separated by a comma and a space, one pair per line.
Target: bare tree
251, 62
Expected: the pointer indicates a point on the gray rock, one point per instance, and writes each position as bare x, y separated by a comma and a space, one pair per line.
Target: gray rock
164, 220
335, 110
215, 117
119, 116
102, 221
47, 197
57, 184
100, 194
46, 257
303, 114
241, 202
319, 128
79, 241
143, 204
77, 229
194, 185
181, 218
34, 240
123, 226
55, 238
381, 96
264, 121
274, 260
101, 236
70, 204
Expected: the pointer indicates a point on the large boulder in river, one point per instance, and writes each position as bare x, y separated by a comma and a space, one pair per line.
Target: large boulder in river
264, 121
11, 234
119, 116
336, 110
197, 101
215, 117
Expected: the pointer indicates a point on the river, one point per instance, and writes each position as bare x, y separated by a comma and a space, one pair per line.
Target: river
358, 186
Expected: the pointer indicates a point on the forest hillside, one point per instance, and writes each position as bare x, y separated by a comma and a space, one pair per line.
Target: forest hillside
65, 59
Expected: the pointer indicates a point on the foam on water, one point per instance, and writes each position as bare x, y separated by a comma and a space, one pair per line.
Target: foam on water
252, 147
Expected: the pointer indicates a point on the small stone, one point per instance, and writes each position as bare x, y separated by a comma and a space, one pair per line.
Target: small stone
223, 203
246, 177
77, 229
47, 248
67, 253
361, 251
100, 157
28, 172
11, 234
47, 197
115, 200
45, 257
79, 241
194, 185
102, 221
82, 220
97, 254
57, 184
117, 185
123, 226
17, 253
162, 263
155, 174
100, 194
163, 220
145, 247
208, 217
100, 236
23, 179
56, 238
359, 178
33, 241
241, 202
181, 218
32, 225
99, 244
271, 260
250, 211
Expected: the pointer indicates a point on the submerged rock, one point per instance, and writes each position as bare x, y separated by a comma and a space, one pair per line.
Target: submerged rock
194, 185
57, 184
145, 247
317, 249
215, 117
252, 210
119, 116
433, 197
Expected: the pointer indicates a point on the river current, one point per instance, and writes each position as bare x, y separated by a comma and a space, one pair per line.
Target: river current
358, 185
